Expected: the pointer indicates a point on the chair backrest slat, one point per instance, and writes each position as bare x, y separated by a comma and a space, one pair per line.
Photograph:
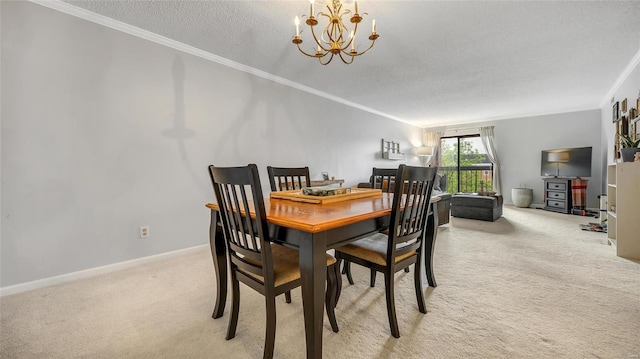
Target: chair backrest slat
246, 255
248, 242
239, 221
411, 201
288, 178
225, 202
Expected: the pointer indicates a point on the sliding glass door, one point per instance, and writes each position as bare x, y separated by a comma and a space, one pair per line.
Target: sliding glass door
465, 161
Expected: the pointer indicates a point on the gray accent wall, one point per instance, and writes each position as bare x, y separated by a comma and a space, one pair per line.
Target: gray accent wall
521, 142
104, 132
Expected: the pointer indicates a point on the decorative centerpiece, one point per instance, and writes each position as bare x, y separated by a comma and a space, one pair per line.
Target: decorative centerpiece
324, 194
325, 191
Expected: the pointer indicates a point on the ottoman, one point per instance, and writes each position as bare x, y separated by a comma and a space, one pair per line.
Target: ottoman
486, 208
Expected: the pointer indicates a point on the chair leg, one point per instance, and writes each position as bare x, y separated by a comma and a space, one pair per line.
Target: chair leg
391, 305
344, 268
372, 281
330, 297
287, 296
428, 242
270, 336
338, 281
347, 268
406, 269
418, 284
235, 306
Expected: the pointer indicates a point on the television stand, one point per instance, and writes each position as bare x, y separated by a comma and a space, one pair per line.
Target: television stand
557, 195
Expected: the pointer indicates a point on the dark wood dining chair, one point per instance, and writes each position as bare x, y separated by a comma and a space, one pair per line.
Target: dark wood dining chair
383, 179
288, 178
401, 246
270, 269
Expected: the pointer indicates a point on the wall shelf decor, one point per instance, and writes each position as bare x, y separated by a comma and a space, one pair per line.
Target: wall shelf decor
626, 120
391, 150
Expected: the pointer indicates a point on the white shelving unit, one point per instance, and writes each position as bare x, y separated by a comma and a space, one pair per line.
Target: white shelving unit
623, 216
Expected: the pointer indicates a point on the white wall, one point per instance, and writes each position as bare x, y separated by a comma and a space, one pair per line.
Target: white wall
520, 141
103, 132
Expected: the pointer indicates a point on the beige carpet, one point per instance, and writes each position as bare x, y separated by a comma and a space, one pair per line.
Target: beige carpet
530, 285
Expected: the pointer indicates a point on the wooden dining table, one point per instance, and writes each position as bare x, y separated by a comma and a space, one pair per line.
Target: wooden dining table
313, 229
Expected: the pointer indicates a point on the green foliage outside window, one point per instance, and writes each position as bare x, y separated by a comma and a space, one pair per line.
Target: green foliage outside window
472, 178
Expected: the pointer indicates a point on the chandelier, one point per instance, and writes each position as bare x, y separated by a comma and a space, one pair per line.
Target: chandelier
335, 39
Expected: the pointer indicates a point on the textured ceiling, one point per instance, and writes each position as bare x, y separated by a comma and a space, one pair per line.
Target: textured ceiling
436, 62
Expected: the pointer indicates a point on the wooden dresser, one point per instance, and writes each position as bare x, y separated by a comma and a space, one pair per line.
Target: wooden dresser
557, 195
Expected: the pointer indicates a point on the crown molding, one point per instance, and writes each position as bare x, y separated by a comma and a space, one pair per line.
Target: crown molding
455, 125
623, 76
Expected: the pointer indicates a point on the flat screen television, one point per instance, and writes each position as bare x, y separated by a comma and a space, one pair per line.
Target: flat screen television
566, 162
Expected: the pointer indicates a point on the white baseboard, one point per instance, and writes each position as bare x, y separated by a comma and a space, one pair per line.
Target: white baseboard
541, 206
92, 272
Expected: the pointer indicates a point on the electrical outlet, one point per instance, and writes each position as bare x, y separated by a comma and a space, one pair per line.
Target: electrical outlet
144, 231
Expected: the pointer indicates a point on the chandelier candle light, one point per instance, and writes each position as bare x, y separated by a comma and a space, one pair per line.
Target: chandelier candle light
336, 38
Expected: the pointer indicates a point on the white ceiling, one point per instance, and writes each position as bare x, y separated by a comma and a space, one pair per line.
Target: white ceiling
436, 62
